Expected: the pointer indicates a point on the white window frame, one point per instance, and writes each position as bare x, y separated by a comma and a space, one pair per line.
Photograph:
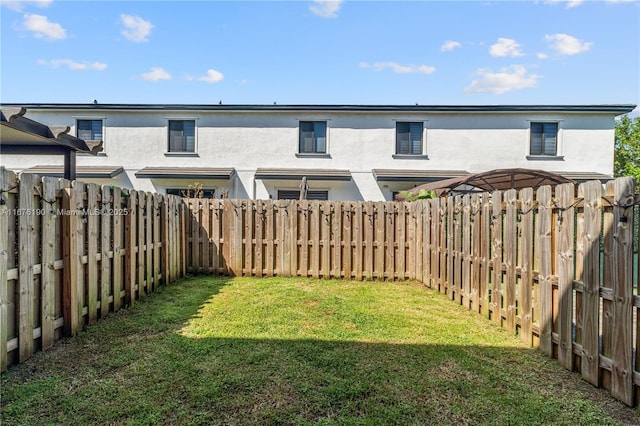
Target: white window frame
327, 152
559, 142
423, 155
166, 137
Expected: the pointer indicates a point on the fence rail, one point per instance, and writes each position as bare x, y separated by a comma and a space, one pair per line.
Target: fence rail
556, 269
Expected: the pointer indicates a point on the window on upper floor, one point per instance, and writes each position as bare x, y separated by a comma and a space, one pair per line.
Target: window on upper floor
313, 137
182, 136
295, 195
409, 138
89, 130
544, 139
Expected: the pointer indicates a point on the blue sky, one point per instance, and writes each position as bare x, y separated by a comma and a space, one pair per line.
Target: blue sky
321, 52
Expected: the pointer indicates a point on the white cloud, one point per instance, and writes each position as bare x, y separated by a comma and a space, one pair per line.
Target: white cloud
505, 47
326, 8
570, 3
213, 76
567, 45
542, 56
42, 28
621, 1
399, 69
449, 45
72, 65
19, 5
511, 78
136, 28
156, 74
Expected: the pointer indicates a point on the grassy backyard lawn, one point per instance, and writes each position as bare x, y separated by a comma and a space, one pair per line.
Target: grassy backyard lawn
296, 351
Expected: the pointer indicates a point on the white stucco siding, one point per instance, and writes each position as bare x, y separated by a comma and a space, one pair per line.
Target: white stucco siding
356, 141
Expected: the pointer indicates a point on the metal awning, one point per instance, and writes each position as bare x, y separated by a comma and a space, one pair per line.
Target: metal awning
298, 174
96, 172
400, 175
585, 176
186, 173
499, 179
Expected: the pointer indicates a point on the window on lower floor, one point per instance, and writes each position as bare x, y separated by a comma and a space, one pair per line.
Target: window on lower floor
409, 138
544, 139
182, 136
313, 137
89, 130
191, 193
295, 195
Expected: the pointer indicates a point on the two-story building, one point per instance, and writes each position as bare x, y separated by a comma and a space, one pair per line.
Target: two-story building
345, 152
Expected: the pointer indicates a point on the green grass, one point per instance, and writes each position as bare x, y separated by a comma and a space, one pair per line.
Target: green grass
295, 351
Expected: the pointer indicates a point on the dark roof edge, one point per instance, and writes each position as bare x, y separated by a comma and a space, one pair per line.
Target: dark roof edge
596, 108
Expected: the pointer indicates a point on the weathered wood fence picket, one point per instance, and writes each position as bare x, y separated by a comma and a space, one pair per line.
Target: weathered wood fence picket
71, 252
558, 270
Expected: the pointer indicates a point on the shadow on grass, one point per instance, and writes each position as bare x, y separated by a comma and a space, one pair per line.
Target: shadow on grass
139, 368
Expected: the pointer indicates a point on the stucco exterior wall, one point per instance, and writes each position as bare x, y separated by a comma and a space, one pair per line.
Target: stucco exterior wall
356, 141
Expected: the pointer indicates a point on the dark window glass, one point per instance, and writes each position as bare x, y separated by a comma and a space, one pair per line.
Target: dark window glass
544, 138
182, 136
409, 138
311, 195
313, 137
89, 130
183, 192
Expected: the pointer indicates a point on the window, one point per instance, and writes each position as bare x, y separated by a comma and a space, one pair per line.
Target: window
295, 195
182, 136
89, 130
203, 193
408, 138
544, 139
313, 137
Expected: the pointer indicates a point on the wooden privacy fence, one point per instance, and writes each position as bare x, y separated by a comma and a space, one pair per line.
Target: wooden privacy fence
70, 253
559, 270
555, 268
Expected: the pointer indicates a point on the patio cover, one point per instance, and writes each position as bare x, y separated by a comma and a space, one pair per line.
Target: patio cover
186, 173
96, 172
403, 175
498, 179
298, 174
23, 136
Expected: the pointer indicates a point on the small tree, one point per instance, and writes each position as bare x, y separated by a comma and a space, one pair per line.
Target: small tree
627, 148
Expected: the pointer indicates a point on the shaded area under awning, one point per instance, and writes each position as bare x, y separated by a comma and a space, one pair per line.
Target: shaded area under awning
298, 174
498, 179
400, 175
95, 172
186, 173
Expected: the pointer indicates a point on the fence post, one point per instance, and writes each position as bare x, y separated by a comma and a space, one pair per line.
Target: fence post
92, 252
622, 371
8, 182
105, 261
28, 234
543, 253
130, 252
526, 252
510, 250
564, 268
591, 279
71, 302
496, 280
